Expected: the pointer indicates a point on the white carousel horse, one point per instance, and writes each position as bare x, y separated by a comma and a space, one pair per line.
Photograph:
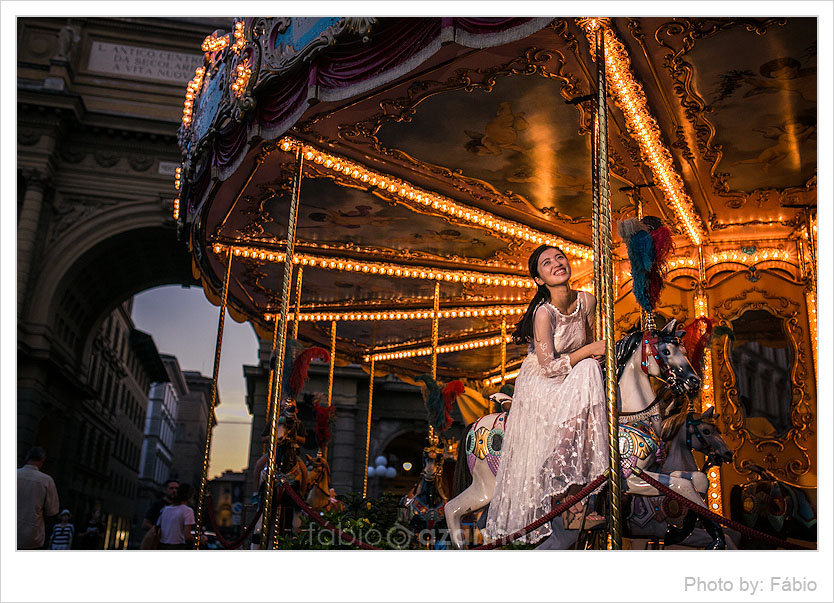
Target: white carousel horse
640, 354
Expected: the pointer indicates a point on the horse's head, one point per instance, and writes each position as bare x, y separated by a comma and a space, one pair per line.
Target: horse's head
702, 435
661, 355
432, 462
318, 470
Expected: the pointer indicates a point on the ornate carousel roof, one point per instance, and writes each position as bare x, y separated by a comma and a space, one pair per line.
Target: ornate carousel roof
436, 153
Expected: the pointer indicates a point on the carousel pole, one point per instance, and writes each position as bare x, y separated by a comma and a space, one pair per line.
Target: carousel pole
297, 301
198, 520
503, 350
368, 428
279, 361
272, 369
595, 217
330, 376
435, 331
607, 273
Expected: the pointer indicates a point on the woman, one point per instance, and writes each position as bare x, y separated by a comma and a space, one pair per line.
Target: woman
555, 439
176, 520
62, 533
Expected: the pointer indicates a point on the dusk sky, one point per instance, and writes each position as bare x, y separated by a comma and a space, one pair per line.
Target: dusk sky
183, 323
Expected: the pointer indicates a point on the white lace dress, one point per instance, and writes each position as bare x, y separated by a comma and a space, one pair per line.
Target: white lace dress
556, 432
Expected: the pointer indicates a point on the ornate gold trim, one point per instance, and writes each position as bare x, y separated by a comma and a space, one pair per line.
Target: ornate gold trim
787, 455
680, 36
532, 63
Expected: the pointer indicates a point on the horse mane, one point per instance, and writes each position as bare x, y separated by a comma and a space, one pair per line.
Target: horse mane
625, 348
671, 425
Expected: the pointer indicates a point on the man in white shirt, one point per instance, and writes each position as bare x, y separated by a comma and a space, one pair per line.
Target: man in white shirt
37, 498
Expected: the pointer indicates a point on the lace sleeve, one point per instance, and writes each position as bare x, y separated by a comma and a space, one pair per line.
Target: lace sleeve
589, 309
550, 364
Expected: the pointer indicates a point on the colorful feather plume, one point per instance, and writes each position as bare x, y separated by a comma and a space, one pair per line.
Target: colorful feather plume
508, 389
438, 409
696, 339
324, 414
649, 245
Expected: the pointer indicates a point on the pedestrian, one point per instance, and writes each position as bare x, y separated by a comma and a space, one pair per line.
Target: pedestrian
92, 537
177, 520
62, 533
37, 498
168, 495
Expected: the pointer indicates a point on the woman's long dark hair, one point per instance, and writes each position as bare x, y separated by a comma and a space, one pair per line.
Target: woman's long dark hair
524, 328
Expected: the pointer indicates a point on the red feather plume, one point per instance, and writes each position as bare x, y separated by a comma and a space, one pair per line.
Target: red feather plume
696, 339
323, 414
298, 377
663, 245
452, 390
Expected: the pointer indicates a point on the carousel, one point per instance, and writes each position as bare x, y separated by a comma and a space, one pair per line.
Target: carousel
367, 191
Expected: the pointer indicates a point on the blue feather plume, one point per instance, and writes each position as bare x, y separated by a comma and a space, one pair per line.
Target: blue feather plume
641, 257
435, 405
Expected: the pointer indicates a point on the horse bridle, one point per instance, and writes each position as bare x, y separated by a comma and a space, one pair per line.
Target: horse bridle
711, 459
649, 346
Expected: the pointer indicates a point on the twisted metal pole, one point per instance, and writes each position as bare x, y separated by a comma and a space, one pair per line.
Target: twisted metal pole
297, 316
218, 346
595, 217
368, 428
503, 350
330, 375
279, 361
608, 299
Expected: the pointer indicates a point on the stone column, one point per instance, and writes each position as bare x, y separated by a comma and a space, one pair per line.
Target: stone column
27, 230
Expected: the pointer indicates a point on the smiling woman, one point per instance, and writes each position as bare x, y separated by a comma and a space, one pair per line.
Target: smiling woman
183, 323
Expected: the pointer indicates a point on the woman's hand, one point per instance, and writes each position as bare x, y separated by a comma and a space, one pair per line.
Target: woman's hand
596, 349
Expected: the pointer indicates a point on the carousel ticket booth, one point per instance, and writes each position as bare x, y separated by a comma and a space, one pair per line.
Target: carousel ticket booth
374, 186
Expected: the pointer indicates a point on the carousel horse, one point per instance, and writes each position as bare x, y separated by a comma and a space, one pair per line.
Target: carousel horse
774, 507
321, 496
641, 354
423, 506
662, 517
289, 467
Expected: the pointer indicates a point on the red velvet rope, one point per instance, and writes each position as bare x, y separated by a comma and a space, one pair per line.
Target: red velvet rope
755, 534
560, 508
233, 544
317, 518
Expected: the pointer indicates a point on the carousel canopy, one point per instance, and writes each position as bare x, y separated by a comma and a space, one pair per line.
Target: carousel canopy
437, 153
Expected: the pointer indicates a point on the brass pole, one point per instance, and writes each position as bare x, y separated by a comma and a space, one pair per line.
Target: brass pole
330, 376
198, 520
279, 361
608, 299
435, 330
297, 302
368, 429
595, 209
503, 350
271, 368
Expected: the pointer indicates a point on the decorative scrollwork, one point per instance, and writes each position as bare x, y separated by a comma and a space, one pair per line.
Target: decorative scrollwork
786, 455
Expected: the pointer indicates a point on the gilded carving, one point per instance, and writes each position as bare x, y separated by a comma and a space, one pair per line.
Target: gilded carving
679, 36
547, 63
786, 455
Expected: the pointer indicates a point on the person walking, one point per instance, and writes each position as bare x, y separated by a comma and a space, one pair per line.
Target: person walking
177, 520
62, 533
37, 498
